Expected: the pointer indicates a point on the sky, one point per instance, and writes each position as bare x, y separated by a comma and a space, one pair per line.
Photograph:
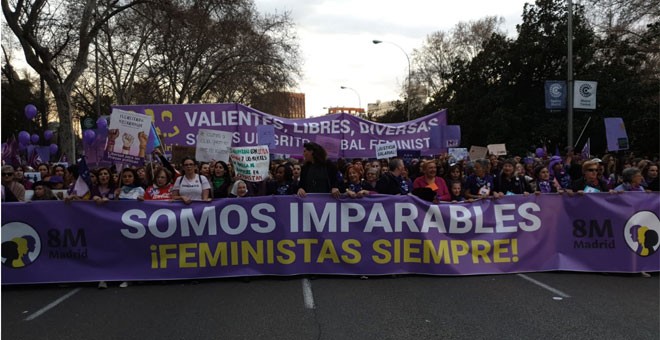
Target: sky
335, 39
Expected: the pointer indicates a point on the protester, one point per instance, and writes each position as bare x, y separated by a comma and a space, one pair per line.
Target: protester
480, 183
19, 176
509, 183
651, 177
106, 187
455, 174
589, 181
297, 169
14, 191
239, 189
44, 171
456, 192
430, 179
220, 180
543, 183
632, 180
129, 187
282, 183
318, 175
42, 192
161, 189
353, 184
391, 182
370, 180
559, 172
191, 186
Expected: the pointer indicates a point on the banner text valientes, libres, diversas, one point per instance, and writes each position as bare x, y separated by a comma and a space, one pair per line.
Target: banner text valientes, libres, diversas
179, 124
286, 235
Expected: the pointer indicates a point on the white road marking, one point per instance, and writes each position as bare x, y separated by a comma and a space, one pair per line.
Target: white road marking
308, 296
543, 285
52, 304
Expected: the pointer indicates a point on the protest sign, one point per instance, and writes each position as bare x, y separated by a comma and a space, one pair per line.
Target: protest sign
213, 145
386, 150
251, 163
128, 134
477, 152
458, 154
497, 149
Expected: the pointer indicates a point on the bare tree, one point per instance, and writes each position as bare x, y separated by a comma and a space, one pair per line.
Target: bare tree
55, 37
441, 49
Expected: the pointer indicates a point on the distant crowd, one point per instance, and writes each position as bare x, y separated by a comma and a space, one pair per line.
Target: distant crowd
432, 179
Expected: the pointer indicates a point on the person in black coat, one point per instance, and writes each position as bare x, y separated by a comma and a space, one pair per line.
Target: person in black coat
318, 175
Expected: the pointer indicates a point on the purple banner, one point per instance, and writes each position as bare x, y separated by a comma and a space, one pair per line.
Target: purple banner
178, 125
615, 132
276, 235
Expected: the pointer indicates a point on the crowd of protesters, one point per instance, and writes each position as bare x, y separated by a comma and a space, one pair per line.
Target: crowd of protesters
438, 179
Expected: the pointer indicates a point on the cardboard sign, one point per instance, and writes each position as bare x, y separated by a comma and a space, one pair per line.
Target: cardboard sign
386, 150
213, 145
477, 152
251, 163
497, 149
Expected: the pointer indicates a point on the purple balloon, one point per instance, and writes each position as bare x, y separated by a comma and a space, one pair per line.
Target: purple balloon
101, 123
88, 136
24, 138
53, 149
34, 138
540, 152
48, 134
30, 111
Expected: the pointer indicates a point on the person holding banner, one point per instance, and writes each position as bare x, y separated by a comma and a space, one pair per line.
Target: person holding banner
352, 185
105, 187
391, 182
632, 180
129, 187
318, 175
480, 183
509, 183
283, 183
430, 179
239, 189
543, 183
589, 182
191, 186
161, 189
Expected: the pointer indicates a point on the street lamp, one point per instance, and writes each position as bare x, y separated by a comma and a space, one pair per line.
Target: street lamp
376, 42
356, 92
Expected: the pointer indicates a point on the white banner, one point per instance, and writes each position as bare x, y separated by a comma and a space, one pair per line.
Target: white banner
584, 94
251, 163
213, 145
386, 150
128, 134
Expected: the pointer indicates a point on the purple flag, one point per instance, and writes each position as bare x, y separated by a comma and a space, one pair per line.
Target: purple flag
586, 149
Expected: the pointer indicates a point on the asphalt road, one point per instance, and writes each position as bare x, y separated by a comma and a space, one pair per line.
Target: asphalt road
557, 305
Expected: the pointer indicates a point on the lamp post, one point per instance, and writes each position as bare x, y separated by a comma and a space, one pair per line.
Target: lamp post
356, 92
376, 42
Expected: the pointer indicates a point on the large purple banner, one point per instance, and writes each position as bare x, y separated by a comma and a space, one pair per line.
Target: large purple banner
356, 137
286, 235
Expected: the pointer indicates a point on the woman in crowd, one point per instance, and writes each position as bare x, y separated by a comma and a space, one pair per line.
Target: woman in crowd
318, 175
611, 171
543, 183
589, 181
239, 189
430, 179
44, 171
297, 169
480, 183
19, 176
651, 177
205, 169
58, 170
191, 186
220, 180
352, 185
370, 180
106, 186
129, 188
161, 189
142, 178
282, 183
509, 183
455, 174
558, 172
42, 192
456, 191
632, 180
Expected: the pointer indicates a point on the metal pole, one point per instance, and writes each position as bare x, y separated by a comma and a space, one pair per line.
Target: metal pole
356, 92
569, 73
581, 133
409, 74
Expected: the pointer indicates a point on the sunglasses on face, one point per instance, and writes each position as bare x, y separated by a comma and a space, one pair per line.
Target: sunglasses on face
8, 174
592, 170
